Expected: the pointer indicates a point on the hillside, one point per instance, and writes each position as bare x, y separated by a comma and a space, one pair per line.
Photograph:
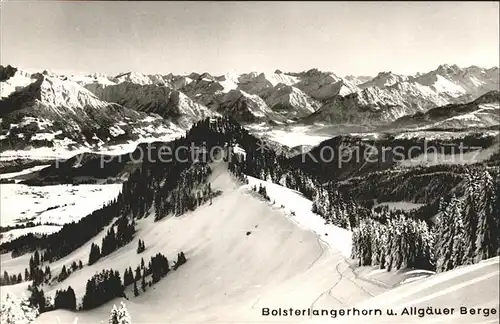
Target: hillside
263, 224
237, 263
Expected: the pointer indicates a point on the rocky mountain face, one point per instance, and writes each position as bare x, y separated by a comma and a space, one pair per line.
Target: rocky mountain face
46, 110
97, 108
483, 112
389, 96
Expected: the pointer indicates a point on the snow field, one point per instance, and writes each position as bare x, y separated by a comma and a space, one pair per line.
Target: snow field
58, 204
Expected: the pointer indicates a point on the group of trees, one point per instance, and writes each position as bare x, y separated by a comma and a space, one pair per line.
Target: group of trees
66, 272
10, 279
101, 288
191, 191
337, 209
467, 228
125, 230
65, 299
37, 299
141, 247
107, 284
70, 237
35, 273
465, 231
262, 191
128, 277
399, 243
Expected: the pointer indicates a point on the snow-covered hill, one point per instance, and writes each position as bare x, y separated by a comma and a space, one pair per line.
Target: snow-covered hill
384, 80
239, 261
266, 255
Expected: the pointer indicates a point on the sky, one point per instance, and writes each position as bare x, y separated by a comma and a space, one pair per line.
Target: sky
219, 37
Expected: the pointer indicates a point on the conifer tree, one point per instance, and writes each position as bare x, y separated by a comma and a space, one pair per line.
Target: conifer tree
136, 291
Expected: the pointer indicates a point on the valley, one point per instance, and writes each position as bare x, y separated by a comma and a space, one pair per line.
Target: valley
325, 195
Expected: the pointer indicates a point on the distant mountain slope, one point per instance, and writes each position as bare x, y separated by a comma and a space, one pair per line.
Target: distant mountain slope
483, 112
153, 98
389, 96
290, 101
56, 112
95, 109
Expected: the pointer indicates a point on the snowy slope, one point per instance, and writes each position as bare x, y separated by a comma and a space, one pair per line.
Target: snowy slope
474, 286
59, 204
481, 113
230, 275
19, 80
486, 115
239, 263
299, 210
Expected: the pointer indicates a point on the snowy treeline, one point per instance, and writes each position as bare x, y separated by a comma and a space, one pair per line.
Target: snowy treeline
399, 243
191, 191
468, 228
465, 232
337, 209
113, 240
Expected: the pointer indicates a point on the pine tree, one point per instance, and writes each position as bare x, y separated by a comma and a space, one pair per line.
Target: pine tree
71, 298
138, 273
136, 291
143, 282
113, 318
6, 277
95, 254
64, 274
48, 272
122, 315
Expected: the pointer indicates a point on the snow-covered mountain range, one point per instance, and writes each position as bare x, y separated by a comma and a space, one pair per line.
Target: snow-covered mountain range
48, 109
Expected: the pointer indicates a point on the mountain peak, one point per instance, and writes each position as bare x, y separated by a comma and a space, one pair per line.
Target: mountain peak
448, 69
